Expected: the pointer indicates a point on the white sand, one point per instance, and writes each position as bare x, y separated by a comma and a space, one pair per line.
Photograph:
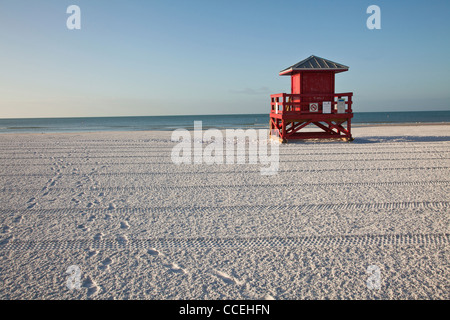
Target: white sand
140, 227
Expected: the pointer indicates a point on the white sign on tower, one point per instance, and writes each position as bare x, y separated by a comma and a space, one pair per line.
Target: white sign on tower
326, 107
341, 106
313, 107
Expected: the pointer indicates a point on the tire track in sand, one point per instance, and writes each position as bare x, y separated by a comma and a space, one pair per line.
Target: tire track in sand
251, 185
223, 243
304, 208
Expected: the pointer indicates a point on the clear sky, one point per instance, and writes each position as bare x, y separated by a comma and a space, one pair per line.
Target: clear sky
161, 57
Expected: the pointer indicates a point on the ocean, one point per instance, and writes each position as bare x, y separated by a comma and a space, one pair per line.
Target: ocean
244, 121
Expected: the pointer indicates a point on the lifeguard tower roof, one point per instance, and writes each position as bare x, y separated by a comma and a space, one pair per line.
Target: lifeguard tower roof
314, 63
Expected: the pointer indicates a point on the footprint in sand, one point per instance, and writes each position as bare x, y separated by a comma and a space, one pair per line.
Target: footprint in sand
92, 288
175, 268
105, 264
83, 227
32, 202
31, 205
153, 252
98, 237
6, 240
5, 229
227, 278
122, 240
18, 219
92, 253
124, 225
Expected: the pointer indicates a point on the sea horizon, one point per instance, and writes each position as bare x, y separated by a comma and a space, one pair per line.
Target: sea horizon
220, 121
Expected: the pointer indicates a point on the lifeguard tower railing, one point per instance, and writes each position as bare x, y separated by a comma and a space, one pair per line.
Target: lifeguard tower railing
290, 113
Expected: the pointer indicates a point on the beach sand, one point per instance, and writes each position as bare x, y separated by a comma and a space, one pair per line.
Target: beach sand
140, 227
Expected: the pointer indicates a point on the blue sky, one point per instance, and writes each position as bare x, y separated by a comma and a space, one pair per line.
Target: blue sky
134, 58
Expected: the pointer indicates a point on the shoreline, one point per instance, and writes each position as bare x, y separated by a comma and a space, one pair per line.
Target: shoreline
389, 125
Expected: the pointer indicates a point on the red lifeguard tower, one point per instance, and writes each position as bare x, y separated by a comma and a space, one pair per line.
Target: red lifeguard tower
312, 102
